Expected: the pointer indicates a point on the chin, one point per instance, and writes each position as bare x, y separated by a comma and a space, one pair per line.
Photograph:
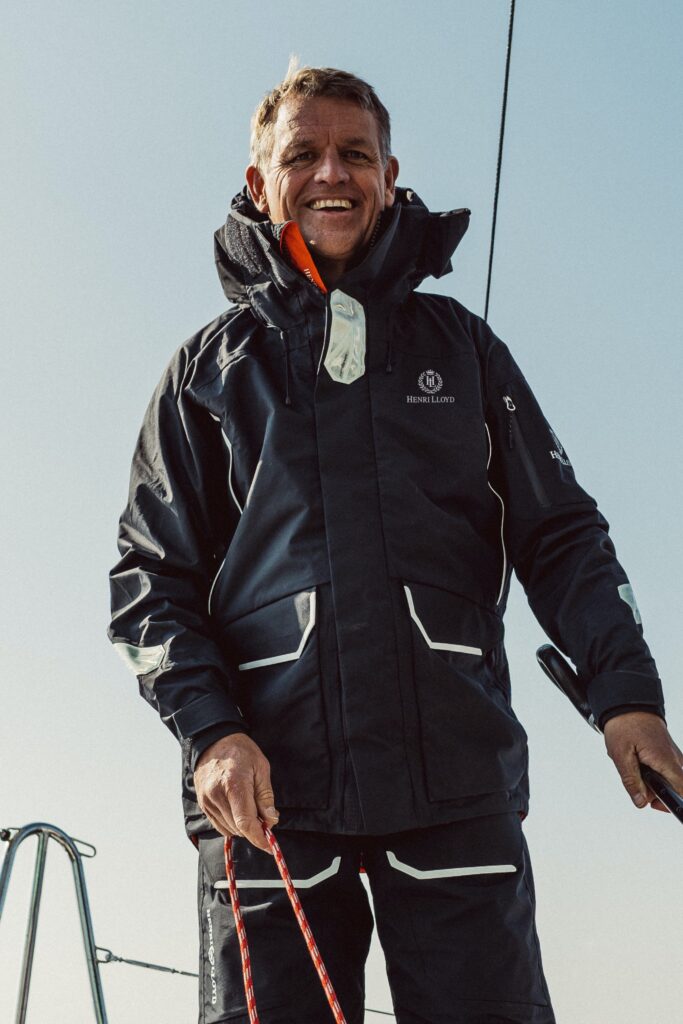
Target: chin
327, 250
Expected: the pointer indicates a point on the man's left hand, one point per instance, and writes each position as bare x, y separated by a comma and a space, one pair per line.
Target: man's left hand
638, 736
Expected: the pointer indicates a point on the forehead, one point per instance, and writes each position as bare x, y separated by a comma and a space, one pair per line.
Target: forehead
301, 118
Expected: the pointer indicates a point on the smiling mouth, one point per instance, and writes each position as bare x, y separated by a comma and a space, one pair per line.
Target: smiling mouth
335, 205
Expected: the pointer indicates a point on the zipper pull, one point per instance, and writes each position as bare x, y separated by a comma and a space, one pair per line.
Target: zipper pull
511, 407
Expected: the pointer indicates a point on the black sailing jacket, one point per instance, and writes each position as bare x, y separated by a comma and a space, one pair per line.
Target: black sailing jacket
328, 496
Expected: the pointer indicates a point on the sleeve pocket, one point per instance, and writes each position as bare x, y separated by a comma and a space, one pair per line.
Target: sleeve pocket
538, 463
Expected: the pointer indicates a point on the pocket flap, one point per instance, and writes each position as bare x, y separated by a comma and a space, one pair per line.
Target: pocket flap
449, 622
274, 633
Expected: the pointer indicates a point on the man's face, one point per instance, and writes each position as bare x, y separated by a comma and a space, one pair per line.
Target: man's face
326, 151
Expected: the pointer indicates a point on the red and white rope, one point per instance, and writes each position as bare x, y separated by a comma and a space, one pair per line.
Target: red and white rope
301, 918
241, 931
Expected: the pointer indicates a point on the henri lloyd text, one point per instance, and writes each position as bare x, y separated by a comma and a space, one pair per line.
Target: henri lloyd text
430, 398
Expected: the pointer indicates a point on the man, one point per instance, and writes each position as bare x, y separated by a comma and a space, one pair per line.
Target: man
332, 484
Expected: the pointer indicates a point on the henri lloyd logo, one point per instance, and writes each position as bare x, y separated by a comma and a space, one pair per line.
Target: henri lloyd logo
212, 960
430, 382
558, 452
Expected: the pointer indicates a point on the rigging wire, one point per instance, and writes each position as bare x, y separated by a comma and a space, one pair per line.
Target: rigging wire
500, 158
105, 956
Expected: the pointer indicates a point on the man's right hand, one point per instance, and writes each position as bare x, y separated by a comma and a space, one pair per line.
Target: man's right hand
232, 780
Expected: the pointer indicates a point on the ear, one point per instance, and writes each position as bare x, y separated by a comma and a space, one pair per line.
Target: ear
257, 188
390, 176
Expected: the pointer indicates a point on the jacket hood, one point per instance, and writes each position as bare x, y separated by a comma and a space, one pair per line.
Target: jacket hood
411, 245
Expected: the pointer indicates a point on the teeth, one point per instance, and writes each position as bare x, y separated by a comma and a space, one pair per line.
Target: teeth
321, 204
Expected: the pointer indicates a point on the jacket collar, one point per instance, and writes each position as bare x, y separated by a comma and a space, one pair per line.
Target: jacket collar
412, 244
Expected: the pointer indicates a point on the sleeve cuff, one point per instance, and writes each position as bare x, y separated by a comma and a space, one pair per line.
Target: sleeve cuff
625, 709
624, 690
203, 740
210, 709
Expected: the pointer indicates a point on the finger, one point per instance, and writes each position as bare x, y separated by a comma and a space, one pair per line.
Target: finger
220, 820
265, 798
212, 803
674, 778
245, 816
667, 763
673, 773
657, 805
627, 765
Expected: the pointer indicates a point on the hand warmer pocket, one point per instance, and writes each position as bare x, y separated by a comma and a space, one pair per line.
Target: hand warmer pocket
274, 651
472, 742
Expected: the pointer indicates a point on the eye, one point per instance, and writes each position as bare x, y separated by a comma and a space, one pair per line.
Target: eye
302, 157
356, 154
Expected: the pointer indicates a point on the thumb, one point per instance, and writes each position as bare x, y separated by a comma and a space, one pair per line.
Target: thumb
264, 797
628, 766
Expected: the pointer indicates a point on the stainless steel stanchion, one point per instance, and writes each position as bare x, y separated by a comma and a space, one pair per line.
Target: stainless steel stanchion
45, 832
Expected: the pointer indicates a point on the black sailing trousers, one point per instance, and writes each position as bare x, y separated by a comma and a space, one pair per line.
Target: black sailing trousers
454, 906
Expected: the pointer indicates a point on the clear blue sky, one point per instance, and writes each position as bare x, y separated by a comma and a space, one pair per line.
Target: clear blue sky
125, 134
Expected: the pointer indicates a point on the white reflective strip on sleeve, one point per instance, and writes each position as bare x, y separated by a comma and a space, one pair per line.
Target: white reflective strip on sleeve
293, 655
345, 357
480, 869
277, 883
502, 518
140, 660
459, 648
626, 594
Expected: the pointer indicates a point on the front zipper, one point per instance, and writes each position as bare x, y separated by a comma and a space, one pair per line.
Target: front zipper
516, 441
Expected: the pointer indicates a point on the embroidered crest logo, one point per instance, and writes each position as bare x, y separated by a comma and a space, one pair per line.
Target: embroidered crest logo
430, 381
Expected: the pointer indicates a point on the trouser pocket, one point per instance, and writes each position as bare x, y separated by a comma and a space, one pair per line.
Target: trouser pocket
455, 914
286, 985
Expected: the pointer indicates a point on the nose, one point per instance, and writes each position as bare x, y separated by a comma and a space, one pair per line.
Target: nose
331, 170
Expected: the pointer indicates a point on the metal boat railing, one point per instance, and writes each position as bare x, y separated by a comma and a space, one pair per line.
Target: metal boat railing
76, 850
